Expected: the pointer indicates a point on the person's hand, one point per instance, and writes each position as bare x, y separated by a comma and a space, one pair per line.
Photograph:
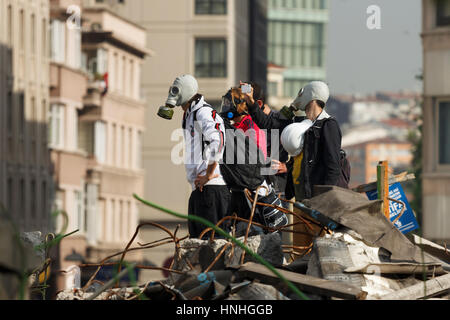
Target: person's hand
248, 96
200, 181
280, 167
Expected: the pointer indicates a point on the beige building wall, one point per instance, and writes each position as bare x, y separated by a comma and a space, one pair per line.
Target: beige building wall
436, 175
25, 172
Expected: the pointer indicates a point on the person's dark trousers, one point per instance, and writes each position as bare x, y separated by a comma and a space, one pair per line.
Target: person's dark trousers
212, 204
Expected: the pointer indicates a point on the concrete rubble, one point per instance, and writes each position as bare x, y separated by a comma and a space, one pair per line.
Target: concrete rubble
364, 257
357, 260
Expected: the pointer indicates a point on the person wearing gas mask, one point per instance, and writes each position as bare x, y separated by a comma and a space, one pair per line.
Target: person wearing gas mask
204, 136
314, 143
235, 114
279, 176
319, 161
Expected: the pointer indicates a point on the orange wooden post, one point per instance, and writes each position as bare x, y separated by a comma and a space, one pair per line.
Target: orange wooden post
383, 186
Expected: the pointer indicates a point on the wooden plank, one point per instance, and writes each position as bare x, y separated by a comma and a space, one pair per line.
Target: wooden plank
398, 268
433, 287
393, 179
383, 186
303, 282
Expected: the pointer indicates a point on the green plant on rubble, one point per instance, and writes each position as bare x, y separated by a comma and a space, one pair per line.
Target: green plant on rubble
132, 278
207, 223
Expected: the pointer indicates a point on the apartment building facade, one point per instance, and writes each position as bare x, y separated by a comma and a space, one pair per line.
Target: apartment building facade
297, 37
25, 167
96, 124
436, 119
364, 158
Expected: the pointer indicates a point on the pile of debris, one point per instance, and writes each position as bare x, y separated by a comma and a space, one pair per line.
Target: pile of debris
364, 256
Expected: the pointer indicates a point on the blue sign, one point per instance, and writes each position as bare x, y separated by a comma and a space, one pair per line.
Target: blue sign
407, 222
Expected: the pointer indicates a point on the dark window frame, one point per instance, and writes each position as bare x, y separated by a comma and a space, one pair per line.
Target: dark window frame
441, 19
211, 67
443, 139
212, 6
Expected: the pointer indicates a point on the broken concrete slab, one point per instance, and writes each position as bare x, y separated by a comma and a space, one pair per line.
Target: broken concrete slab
355, 211
194, 253
78, 294
333, 254
305, 283
431, 248
422, 290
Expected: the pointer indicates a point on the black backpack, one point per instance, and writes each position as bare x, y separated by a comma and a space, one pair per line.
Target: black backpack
344, 178
239, 168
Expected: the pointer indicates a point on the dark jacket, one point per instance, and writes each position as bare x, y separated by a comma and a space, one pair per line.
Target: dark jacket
321, 152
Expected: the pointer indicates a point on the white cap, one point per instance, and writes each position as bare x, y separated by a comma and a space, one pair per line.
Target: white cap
293, 135
182, 90
316, 90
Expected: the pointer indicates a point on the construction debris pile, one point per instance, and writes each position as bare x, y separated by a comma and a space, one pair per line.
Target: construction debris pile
364, 257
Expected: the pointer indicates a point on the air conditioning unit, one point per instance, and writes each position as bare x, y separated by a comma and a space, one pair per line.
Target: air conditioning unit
96, 27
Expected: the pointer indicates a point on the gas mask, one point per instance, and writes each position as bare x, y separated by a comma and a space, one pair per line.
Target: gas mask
229, 107
182, 90
315, 90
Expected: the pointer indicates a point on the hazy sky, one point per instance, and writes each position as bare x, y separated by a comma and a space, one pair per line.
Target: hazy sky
365, 61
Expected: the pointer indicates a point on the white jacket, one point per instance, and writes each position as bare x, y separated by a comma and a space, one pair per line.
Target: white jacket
208, 125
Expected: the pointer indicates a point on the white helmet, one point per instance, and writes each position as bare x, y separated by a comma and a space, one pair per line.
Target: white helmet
293, 135
182, 90
316, 90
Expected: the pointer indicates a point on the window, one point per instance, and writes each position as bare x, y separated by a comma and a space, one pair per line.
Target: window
9, 113
10, 196
211, 58
443, 13
33, 34
130, 148
44, 137
22, 30
113, 144
132, 90
76, 63
44, 198
80, 212
33, 128
210, 6
33, 196
115, 74
22, 199
56, 126
139, 150
444, 132
124, 76
95, 62
10, 25
44, 38
100, 141
272, 88
58, 35
296, 44
122, 143
21, 115
292, 87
